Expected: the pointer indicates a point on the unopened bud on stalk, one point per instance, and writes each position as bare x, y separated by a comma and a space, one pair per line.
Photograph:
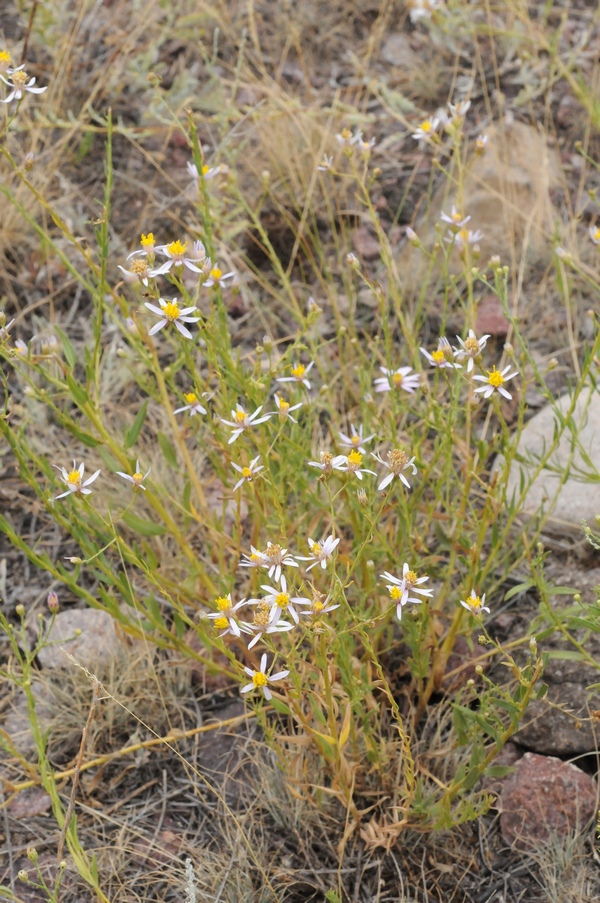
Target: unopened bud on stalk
413, 237
20, 610
22, 875
479, 669
267, 343
353, 261
32, 854
552, 364
533, 646
28, 162
363, 499
52, 602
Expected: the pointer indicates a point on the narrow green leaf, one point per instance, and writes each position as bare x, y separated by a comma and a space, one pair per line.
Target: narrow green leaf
168, 451
68, 348
521, 588
134, 430
143, 527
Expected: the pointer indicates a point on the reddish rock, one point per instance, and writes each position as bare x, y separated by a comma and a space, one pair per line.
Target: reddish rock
544, 797
490, 317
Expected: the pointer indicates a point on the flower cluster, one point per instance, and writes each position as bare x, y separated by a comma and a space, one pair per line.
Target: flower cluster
17, 80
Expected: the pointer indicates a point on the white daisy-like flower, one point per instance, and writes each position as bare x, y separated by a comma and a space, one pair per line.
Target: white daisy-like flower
138, 477
217, 277
192, 403
284, 409
356, 439
403, 378
275, 558
455, 219
208, 172
397, 462
226, 614
261, 623
352, 463
147, 248
73, 479
365, 147
325, 164
241, 421
595, 234
281, 602
464, 238
139, 271
248, 473
299, 373
481, 143
18, 82
260, 679
345, 138
459, 110
426, 130
494, 382
320, 552
471, 348
474, 603
171, 312
176, 255
256, 559
5, 61
400, 588
442, 357
20, 346
319, 606
327, 463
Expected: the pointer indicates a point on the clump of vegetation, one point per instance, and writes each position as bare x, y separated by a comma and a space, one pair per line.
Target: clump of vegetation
268, 460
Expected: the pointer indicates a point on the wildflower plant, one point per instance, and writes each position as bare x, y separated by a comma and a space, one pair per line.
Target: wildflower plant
312, 648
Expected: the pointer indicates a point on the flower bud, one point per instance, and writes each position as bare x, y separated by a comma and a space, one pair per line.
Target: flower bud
32, 854
22, 875
353, 261
52, 602
20, 610
363, 499
533, 647
413, 237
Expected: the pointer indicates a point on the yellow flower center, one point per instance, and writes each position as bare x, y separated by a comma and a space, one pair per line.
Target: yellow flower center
240, 416
318, 607
397, 459
171, 310
191, 397
316, 548
397, 379
247, 473
259, 679
456, 217
472, 346
282, 600
4, 57
147, 241
597, 235
284, 407
299, 371
410, 578
223, 603
273, 551
74, 478
495, 378
138, 478
438, 356
474, 602
19, 78
221, 623
139, 268
205, 169
425, 126
177, 249
355, 441
216, 273
254, 557
355, 459
346, 134
326, 458
395, 593
262, 616
464, 235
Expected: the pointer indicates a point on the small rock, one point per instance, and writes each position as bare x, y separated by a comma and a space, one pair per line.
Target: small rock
508, 756
490, 317
544, 797
29, 803
396, 51
365, 244
97, 645
578, 498
16, 722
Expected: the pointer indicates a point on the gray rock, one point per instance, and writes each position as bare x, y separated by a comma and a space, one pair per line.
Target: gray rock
97, 645
578, 497
508, 194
